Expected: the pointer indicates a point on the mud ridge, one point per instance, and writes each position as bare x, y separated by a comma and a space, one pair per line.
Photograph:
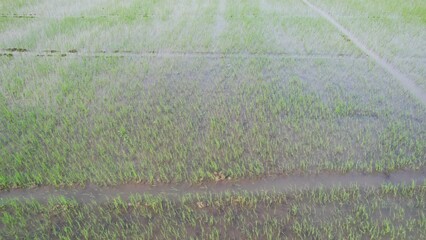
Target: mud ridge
16, 50
170, 54
10, 52
18, 16
405, 81
274, 184
161, 54
33, 15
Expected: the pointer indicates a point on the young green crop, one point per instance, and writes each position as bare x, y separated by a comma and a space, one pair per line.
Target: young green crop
348, 213
77, 120
104, 92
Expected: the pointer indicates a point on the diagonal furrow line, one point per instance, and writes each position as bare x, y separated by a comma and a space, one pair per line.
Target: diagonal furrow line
274, 184
406, 82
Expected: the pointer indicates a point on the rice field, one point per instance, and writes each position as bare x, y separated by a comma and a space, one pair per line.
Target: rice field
192, 119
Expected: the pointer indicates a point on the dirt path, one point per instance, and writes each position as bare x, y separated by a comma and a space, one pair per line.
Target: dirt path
406, 82
279, 184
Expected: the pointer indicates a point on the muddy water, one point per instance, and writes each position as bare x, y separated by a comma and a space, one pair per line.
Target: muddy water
278, 184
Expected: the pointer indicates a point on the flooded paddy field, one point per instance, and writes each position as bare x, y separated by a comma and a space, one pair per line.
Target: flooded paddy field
218, 119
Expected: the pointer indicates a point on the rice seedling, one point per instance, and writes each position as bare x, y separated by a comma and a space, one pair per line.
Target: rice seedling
176, 97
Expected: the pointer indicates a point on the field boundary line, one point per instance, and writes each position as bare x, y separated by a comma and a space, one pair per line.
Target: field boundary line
406, 82
273, 184
170, 54
10, 52
160, 54
38, 16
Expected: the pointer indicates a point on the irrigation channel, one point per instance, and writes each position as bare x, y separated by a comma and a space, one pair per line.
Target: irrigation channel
273, 184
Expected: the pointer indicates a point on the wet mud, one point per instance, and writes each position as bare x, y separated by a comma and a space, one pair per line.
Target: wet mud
273, 184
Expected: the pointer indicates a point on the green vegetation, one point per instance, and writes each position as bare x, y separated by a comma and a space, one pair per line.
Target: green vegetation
9, 6
176, 93
352, 213
107, 121
395, 29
